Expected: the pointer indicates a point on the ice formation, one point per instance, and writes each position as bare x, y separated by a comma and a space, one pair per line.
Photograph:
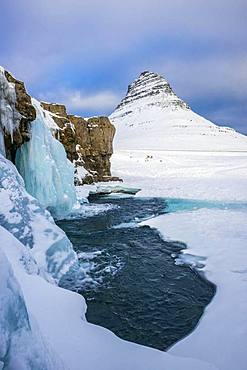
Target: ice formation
22, 345
9, 116
33, 226
43, 164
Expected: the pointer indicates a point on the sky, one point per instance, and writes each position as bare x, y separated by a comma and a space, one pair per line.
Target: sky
85, 53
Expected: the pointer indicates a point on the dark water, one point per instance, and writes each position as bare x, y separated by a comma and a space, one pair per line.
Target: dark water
133, 286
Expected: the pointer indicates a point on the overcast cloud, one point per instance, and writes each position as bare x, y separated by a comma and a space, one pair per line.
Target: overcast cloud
86, 52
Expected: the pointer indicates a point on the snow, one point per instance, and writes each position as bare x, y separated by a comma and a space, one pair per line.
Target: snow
80, 172
42, 162
33, 226
183, 174
152, 117
167, 150
21, 343
68, 341
207, 200
219, 238
174, 130
51, 331
42, 325
58, 336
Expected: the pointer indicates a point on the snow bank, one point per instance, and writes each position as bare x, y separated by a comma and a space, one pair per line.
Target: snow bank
33, 226
184, 174
57, 316
21, 343
51, 320
43, 164
219, 238
152, 117
209, 215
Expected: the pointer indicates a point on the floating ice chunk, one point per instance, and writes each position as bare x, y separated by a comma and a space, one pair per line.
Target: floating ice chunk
109, 190
190, 260
185, 205
125, 225
42, 162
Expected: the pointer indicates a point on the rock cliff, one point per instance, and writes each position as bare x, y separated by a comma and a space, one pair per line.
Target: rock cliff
88, 142
22, 110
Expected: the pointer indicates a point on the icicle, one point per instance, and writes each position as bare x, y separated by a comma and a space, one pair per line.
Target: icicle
42, 162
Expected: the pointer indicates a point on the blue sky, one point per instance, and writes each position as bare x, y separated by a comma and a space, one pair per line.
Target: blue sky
85, 53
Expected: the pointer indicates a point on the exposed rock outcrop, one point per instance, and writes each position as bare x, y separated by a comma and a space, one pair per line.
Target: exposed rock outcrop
88, 142
66, 135
152, 117
152, 89
24, 113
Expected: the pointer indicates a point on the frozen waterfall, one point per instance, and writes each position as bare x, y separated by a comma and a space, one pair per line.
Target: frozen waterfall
43, 164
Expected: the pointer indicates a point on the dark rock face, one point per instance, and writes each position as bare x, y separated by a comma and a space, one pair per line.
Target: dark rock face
95, 137
88, 142
149, 89
66, 135
27, 111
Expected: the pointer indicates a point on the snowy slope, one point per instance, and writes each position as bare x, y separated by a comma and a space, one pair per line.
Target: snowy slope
22, 344
218, 238
43, 327
209, 190
33, 226
152, 117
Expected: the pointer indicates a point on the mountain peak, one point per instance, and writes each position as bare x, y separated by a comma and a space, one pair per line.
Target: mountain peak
150, 89
152, 117
151, 74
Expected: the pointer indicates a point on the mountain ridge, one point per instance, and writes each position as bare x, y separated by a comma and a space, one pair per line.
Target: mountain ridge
151, 116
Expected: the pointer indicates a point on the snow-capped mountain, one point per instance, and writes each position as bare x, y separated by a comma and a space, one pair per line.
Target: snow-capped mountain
151, 116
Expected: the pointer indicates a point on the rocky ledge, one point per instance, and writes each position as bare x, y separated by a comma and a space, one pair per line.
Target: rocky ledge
88, 142
149, 89
27, 114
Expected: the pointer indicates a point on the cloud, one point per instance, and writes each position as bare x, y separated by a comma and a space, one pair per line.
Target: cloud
78, 101
214, 76
85, 46
51, 33
229, 114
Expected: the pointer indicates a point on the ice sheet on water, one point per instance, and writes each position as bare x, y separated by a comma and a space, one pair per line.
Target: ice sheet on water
125, 225
197, 262
181, 205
